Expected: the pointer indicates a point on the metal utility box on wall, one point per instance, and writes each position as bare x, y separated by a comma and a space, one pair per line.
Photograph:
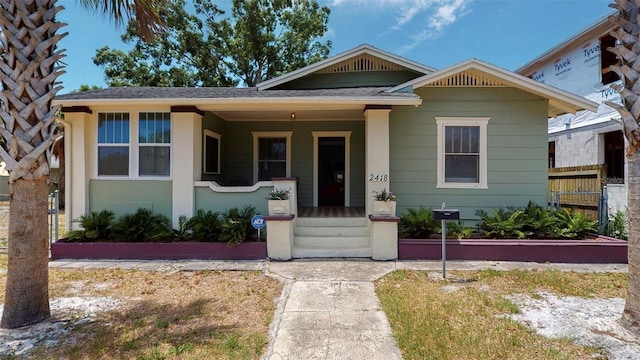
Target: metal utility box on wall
446, 214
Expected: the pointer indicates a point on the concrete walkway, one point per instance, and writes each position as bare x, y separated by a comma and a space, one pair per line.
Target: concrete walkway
328, 308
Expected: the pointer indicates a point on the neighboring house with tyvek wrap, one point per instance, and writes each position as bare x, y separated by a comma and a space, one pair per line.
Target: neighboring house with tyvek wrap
582, 65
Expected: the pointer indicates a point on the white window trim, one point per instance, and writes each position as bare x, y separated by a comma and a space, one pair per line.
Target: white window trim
134, 145
99, 145
138, 145
481, 122
270, 134
214, 135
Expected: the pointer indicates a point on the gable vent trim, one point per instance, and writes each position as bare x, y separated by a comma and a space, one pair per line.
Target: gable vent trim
468, 78
360, 63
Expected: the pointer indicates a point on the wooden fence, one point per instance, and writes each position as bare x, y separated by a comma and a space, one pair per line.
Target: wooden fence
579, 188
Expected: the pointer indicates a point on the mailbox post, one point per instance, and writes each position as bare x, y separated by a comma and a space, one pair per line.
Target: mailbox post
444, 215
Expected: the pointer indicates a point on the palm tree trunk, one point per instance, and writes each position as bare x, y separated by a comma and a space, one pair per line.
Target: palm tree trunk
28, 75
27, 293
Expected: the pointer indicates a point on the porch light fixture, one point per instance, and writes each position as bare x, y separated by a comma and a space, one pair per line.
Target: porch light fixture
293, 116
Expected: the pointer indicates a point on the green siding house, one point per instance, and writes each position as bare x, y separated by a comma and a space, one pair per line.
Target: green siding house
473, 136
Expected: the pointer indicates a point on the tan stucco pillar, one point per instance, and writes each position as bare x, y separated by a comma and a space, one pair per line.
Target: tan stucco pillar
77, 131
377, 152
186, 143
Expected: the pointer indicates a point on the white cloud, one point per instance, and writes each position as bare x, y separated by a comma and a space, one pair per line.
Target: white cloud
425, 19
447, 14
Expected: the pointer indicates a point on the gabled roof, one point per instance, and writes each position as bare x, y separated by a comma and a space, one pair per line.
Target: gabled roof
364, 49
476, 73
598, 29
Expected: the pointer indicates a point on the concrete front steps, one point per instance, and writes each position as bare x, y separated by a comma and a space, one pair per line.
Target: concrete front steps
331, 237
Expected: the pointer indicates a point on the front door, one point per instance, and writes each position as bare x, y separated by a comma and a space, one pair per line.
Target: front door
331, 171
331, 168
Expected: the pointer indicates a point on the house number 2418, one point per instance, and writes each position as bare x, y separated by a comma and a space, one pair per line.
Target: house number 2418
378, 177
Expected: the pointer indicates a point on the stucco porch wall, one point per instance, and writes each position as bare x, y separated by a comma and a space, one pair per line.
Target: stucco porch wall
126, 196
207, 199
516, 149
237, 151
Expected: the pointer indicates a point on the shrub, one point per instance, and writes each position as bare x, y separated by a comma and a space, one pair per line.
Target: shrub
618, 226
504, 224
205, 226
141, 226
457, 230
539, 222
236, 224
419, 224
96, 226
183, 232
574, 224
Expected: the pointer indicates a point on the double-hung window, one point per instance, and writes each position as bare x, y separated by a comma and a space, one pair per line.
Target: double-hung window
462, 152
154, 143
272, 155
113, 144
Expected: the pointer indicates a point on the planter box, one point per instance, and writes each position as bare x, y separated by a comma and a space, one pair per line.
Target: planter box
159, 251
278, 207
600, 250
384, 208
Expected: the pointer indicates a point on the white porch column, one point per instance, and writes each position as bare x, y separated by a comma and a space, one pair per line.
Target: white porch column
77, 125
186, 142
376, 121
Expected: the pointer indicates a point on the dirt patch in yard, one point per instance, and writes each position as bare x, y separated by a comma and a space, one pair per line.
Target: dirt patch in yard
123, 314
591, 322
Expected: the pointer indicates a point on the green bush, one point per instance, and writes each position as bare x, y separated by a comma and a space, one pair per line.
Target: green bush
574, 224
142, 226
183, 232
419, 224
206, 226
455, 229
504, 224
96, 226
539, 222
236, 224
618, 226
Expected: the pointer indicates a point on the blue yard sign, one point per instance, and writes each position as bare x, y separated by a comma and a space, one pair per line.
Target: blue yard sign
258, 222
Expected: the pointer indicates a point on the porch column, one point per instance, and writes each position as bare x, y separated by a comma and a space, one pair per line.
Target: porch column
186, 140
77, 122
376, 119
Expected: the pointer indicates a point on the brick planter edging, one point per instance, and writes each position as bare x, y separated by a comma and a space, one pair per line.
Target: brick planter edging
159, 251
561, 251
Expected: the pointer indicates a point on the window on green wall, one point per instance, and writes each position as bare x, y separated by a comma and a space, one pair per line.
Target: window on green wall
154, 143
271, 155
462, 152
113, 144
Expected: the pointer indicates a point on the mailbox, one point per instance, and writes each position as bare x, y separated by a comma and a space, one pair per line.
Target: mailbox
446, 214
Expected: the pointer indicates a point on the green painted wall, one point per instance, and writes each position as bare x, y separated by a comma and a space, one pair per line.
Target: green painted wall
221, 202
126, 196
353, 79
517, 149
238, 153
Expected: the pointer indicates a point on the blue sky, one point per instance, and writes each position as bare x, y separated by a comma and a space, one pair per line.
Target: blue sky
437, 33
